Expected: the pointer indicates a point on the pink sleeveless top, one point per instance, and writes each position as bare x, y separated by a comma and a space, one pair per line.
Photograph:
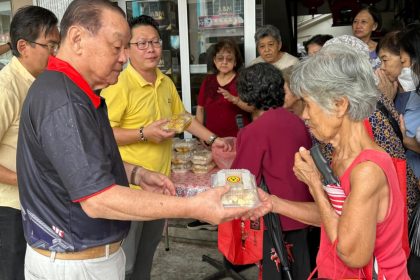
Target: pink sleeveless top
388, 248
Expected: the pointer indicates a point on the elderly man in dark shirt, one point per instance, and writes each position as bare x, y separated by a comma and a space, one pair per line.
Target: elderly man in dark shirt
74, 188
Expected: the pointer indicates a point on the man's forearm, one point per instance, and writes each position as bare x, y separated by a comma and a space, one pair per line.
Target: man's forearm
122, 203
199, 130
7, 176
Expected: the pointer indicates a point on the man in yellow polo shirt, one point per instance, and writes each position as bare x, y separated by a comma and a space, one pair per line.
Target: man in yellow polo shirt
138, 106
31, 48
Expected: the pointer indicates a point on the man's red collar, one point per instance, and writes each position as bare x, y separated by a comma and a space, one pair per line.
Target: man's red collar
56, 64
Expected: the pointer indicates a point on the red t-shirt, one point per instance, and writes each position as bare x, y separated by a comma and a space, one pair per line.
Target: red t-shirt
388, 245
267, 148
220, 113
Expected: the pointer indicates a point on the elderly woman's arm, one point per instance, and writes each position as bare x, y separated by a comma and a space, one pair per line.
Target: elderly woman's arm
366, 205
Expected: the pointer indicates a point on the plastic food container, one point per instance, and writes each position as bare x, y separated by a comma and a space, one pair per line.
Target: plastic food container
178, 123
181, 157
202, 157
203, 168
181, 167
243, 191
184, 145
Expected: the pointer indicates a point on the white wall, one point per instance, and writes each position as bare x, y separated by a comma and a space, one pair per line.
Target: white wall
323, 26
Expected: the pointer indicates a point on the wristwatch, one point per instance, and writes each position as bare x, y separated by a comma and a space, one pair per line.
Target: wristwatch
211, 140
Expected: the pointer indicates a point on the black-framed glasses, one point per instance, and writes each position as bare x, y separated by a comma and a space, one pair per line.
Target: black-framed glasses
52, 47
142, 45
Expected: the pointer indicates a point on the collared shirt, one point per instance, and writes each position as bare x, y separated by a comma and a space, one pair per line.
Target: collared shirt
15, 81
285, 61
132, 103
66, 153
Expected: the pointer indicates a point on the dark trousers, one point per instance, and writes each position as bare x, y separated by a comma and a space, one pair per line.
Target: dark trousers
300, 251
12, 244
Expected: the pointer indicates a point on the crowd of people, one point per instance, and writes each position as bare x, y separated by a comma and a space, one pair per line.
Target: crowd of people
85, 163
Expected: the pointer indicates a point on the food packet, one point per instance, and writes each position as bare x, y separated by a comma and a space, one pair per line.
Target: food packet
203, 168
243, 188
181, 157
181, 167
178, 123
184, 145
202, 157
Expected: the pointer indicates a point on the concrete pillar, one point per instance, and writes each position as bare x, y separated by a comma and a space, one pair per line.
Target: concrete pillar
16, 4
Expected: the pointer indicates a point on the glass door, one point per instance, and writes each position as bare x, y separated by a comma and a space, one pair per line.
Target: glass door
165, 12
189, 28
205, 23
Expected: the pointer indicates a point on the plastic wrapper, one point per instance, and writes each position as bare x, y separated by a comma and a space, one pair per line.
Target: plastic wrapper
181, 157
190, 184
184, 145
243, 191
203, 168
178, 123
202, 157
224, 159
181, 167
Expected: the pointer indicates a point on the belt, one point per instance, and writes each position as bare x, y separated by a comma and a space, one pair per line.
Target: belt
90, 253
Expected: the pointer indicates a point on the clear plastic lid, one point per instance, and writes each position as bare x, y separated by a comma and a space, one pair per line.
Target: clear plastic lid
202, 157
181, 167
184, 145
243, 188
203, 168
181, 157
178, 123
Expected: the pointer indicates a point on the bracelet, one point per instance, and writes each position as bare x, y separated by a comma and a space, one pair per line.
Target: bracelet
142, 138
133, 175
211, 140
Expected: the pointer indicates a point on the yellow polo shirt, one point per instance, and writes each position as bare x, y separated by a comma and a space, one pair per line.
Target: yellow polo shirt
15, 81
133, 102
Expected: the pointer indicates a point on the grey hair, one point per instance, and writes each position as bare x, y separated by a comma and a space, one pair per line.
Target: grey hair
337, 71
267, 30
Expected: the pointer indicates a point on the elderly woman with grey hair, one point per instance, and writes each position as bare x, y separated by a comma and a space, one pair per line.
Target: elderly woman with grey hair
361, 218
268, 41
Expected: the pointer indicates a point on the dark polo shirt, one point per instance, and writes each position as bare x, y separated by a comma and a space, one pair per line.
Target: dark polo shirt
66, 153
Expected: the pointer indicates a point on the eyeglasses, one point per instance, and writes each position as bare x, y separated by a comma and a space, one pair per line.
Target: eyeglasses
142, 45
229, 59
52, 47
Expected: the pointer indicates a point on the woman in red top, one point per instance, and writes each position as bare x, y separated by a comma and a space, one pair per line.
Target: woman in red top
364, 221
218, 101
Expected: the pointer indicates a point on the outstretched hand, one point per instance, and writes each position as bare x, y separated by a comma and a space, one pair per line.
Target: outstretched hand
266, 206
154, 132
209, 207
229, 97
223, 144
155, 182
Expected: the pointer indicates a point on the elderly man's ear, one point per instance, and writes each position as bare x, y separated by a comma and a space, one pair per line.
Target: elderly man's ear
75, 36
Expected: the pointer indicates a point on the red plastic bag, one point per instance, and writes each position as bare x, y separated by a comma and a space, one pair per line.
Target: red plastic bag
241, 242
223, 159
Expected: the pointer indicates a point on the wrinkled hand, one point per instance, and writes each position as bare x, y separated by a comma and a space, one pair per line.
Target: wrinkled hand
229, 97
154, 132
305, 169
155, 182
265, 207
223, 144
209, 207
388, 88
